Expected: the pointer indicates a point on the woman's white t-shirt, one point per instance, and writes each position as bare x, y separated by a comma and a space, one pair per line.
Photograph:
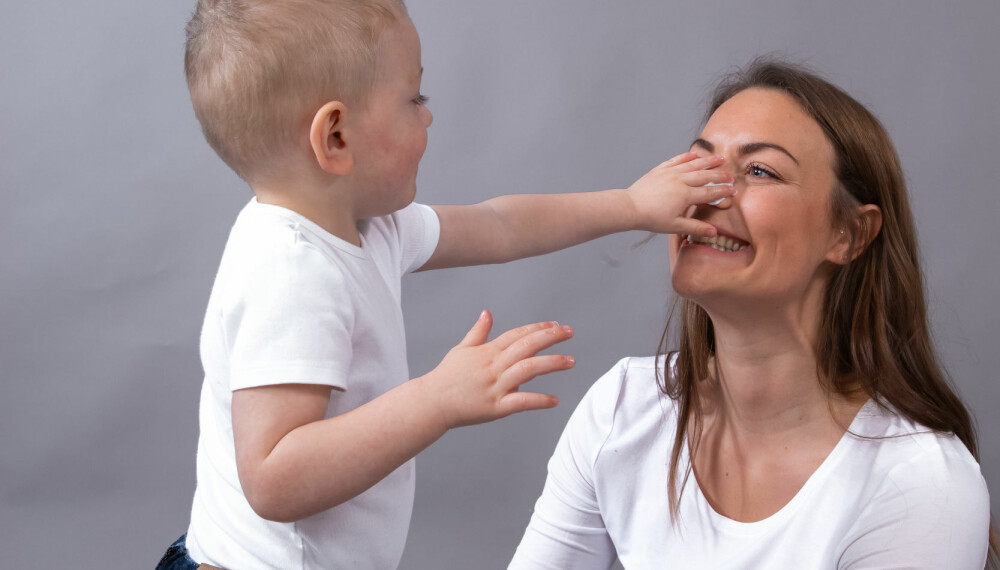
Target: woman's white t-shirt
902, 496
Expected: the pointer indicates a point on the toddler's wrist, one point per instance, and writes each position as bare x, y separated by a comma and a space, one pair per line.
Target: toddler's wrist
427, 399
637, 217
630, 211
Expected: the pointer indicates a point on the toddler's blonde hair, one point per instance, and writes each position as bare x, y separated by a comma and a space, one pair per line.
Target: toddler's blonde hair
258, 70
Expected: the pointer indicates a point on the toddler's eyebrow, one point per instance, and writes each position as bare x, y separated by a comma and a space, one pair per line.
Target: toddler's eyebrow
416, 76
746, 148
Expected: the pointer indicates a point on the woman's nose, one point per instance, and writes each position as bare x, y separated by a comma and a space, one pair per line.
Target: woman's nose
726, 201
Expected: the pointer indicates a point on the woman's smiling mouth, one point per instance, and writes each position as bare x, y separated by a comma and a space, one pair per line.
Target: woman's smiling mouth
720, 243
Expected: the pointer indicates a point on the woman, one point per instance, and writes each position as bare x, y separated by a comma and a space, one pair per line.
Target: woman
803, 421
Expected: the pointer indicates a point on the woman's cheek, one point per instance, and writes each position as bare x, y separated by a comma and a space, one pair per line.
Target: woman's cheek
673, 245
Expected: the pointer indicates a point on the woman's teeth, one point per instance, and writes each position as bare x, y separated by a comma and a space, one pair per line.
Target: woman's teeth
721, 243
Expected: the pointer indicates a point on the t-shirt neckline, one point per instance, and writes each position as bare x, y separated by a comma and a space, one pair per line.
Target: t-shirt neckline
811, 486
314, 228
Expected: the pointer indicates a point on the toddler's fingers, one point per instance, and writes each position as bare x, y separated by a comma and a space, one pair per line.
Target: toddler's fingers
680, 159
508, 338
712, 176
523, 401
702, 163
524, 370
480, 331
532, 344
712, 194
689, 226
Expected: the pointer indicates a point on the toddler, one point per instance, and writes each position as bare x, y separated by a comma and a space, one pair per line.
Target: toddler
309, 421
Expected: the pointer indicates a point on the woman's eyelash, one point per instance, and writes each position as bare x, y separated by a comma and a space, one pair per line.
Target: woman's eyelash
760, 168
421, 99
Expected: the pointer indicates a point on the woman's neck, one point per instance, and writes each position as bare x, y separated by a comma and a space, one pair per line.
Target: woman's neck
768, 419
769, 381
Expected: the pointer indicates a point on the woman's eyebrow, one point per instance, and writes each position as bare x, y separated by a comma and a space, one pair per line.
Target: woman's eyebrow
746, 148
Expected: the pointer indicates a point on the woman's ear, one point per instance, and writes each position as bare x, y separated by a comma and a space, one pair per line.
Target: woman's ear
328, 141
852, 241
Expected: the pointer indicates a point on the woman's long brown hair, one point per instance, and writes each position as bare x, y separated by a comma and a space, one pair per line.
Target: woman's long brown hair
873, 330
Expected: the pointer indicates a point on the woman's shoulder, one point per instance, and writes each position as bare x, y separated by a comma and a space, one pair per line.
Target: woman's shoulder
631, 381
908, 458
626, 402
898, 439
635, 367
922, 494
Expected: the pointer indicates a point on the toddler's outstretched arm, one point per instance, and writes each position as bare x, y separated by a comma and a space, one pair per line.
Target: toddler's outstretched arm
293, 463
523, 225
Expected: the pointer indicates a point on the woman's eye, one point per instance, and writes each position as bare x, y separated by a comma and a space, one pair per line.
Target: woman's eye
758, 171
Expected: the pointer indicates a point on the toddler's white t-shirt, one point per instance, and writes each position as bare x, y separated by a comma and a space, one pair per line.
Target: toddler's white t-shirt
294, 304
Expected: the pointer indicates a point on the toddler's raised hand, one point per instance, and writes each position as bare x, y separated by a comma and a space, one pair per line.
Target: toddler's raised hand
477, 381
663, 197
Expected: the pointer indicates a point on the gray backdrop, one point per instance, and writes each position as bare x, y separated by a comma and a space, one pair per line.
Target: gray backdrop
116, 212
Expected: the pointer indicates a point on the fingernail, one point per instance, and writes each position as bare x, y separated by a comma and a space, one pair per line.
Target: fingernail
568, 329
570, 360
482, 315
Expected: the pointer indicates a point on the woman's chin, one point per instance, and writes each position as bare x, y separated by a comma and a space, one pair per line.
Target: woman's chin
698, 288
716, 298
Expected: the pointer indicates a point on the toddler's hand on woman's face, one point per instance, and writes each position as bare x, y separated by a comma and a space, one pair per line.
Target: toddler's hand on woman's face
664, 196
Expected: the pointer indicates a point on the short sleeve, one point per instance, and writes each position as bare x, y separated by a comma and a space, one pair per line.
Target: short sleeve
567, 529
931, 512
418, 232
291, 320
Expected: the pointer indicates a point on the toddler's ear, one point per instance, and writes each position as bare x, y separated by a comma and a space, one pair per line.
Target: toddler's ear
326, 136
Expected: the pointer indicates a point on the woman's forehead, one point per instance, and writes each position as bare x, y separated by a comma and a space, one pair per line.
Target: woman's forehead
770, 117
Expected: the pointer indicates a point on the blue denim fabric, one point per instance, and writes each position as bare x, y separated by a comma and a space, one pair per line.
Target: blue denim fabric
176, 557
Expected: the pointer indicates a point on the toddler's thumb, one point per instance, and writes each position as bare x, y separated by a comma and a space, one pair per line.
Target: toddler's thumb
480, 331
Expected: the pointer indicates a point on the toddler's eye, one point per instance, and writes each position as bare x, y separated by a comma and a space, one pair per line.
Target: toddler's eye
421, 99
